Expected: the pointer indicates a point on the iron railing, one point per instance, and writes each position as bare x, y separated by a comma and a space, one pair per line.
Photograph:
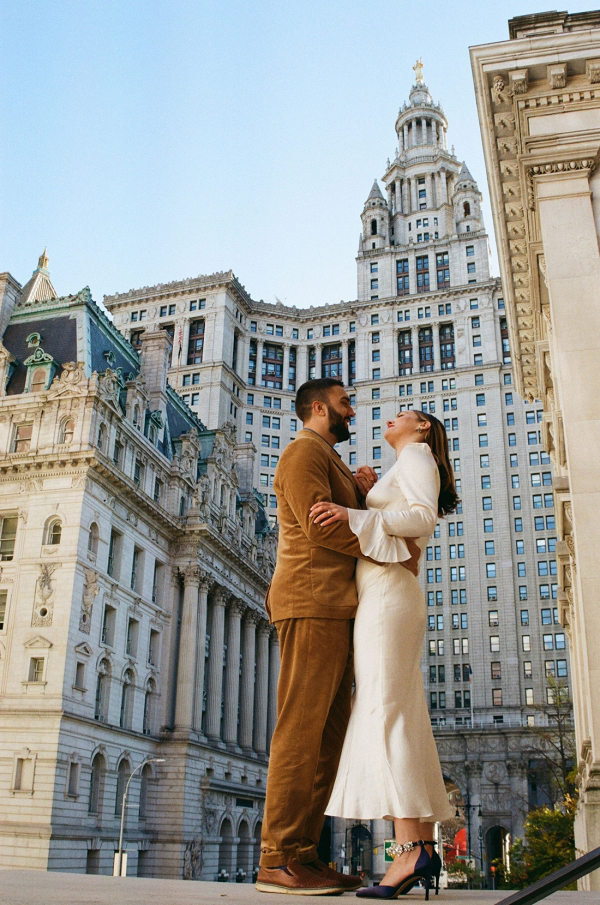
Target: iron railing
555, 881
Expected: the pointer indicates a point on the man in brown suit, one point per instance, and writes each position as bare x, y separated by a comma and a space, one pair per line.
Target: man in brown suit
312, 601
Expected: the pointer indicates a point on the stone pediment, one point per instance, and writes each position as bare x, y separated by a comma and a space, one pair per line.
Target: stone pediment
84, 649
38, 643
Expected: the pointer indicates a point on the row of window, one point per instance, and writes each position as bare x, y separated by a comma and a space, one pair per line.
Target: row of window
459, 646
457, 595
462, 673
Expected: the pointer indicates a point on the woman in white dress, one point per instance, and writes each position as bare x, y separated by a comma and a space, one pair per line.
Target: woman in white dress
389, 768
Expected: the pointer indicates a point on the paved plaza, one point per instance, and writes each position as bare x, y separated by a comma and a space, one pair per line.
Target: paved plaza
22, 887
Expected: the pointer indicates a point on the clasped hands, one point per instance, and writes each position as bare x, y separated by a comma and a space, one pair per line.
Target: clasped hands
326, 513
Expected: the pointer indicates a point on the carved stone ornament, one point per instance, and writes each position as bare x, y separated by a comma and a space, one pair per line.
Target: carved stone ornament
592, 69
498, 91
193, 859
72, 379
495, 771
560, 166
90, 590
557, 75
43, 606
519, 80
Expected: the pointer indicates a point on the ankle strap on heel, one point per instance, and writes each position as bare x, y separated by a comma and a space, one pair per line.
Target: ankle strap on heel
397, 848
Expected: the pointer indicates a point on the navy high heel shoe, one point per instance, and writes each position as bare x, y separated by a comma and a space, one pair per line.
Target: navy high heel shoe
436, 864
422, 871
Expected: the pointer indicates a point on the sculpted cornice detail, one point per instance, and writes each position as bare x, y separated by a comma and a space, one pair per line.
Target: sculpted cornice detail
559, 167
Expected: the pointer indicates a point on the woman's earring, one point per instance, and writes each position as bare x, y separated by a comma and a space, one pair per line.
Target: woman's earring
420, 429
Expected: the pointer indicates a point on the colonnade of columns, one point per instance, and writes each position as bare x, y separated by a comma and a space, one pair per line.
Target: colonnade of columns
420, 130
405, 198
242, 667
436, 361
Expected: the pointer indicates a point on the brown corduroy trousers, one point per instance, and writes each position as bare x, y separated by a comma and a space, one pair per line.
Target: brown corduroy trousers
313, 709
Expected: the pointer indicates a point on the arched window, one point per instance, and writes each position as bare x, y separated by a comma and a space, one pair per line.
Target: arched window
182, 506
53, 532
96, 784
149, 706
126, 700
145, 779
136, 416
101, 437
122, 777
373, 227
93, 537
38, 380
102, 689
68, 429
152, 434
466, 209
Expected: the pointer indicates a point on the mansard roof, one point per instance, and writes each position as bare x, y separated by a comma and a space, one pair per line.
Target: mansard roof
74, 328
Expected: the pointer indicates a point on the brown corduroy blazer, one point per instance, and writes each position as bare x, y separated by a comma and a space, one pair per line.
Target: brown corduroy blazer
314, 575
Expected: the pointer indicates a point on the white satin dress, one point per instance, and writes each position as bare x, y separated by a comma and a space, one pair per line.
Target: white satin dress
389, 765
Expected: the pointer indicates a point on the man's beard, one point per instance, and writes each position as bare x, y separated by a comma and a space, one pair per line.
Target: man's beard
337, 425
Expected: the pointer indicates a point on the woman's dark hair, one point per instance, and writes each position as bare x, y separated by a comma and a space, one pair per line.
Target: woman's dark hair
437, 440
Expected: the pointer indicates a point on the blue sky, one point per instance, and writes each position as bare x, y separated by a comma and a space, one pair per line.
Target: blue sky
149, 141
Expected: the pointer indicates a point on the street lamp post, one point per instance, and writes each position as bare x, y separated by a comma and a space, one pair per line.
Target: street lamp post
467, 808
119, 855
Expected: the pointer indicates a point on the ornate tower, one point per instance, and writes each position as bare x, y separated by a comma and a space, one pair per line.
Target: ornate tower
375, 221
467, 203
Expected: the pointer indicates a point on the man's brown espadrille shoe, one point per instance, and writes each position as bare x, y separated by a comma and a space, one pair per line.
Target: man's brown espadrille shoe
350, 882
298, 880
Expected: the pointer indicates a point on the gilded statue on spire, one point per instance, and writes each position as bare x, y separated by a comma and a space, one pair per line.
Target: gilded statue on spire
418, 68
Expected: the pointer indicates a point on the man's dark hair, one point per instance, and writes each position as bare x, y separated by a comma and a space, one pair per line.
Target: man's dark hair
312, 390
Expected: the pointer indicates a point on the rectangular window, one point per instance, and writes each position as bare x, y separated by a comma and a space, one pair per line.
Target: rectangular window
496, 669
8, 534
497, 697
22, 438
196, 342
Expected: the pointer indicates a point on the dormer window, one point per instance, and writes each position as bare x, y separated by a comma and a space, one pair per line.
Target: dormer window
38, 380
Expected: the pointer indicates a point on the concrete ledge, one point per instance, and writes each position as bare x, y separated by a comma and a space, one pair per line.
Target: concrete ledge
22, 887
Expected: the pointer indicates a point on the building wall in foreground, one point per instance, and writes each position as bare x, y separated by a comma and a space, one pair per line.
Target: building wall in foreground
539, 110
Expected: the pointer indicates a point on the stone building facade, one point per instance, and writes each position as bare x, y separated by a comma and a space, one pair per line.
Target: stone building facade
135, 555
539, 109
428, 329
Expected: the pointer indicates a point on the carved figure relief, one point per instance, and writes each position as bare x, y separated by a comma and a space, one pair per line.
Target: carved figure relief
43, 606
193, 859
90, 590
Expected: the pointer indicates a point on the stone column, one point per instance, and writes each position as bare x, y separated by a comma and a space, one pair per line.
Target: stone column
344, 347
273, 679
261, 688
247, 688
432, 198
301, 365
232, 674
405, 197
405, 133
414, 335
444, 185
437, 355
260, 346
186, 670
318, 359
285, 381
201, 649
400, 142
184, 343
215, 667
413, 194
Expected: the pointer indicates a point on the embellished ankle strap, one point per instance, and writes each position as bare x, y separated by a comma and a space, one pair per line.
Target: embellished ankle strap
399, 848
